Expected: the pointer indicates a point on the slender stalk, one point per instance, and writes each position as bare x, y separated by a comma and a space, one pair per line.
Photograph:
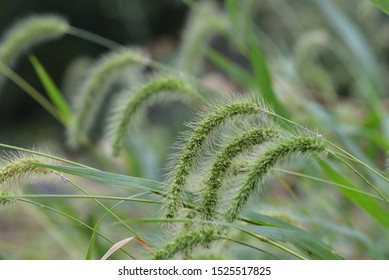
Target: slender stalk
266, 240
105, 207
32, 92
71, 218
44, 155
301, 175
355, 159
92, 37
71, 196
363, 178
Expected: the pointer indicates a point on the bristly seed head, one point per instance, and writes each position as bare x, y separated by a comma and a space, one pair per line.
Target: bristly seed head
134, 101
18, 170
186, 242
224, 159
281, 151
27, 33
194, 144
96, 86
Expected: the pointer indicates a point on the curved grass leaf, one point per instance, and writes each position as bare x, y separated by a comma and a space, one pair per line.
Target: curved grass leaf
72, 218
279, 230
364, 202
263, 75
52, 90
382, 4
92, 241
118, 180
304, 242
352, 37
235, 71
110, 178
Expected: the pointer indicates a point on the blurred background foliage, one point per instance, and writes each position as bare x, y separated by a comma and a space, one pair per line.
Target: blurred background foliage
328, 64
149, 24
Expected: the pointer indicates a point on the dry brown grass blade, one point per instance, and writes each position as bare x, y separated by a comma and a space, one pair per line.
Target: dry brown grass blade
123, 242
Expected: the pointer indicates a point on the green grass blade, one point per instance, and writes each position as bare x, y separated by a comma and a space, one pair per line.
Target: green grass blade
110, 178
119, 180
264, 220
232, 8
236, 72
71, 196
332, 183
263, 75
255, 218
251, 247
92, 242
51, 89
353, 38
32, 92
70, 217
382, 4
308, 245
364, 202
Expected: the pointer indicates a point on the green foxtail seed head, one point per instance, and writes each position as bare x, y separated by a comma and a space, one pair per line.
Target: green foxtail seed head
224, 159
133, 102
194, 144
27, 33
18, 169
281, 152
96, 85
186, 242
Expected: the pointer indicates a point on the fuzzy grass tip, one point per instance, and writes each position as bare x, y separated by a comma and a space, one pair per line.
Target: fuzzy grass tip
95, 86
281, 152
194, 144
224, 159
186, 242
133, 102
27, 33
19, 169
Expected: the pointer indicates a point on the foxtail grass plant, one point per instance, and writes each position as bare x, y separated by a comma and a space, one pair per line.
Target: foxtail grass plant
19, 169
210, 193
229, 152
26, 34
186, 242
282, 151
195, 142
94, 88
130, 104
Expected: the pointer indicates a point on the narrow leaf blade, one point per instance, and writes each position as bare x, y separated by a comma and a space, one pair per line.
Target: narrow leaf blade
364, 202
262, 75
51, 89
235, 71
382, 4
